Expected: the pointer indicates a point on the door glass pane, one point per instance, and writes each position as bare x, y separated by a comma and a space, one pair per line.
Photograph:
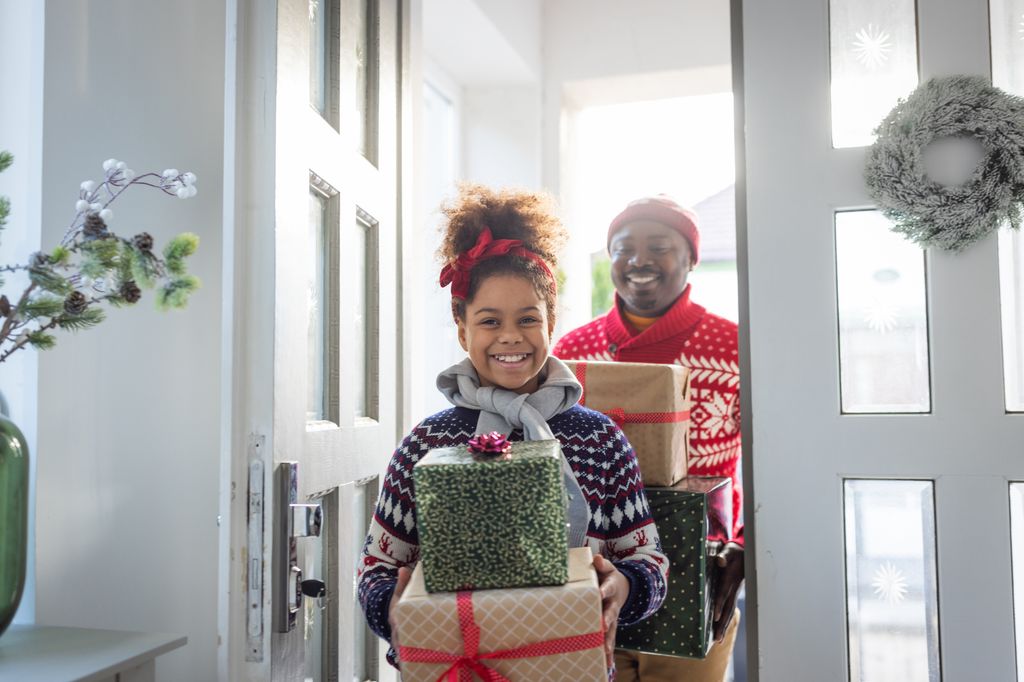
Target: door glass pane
1007, 31
891, 590
316, 298
364, 381
318, 55
873, 48
1011, 299
367, 57
883, 320
1017, 559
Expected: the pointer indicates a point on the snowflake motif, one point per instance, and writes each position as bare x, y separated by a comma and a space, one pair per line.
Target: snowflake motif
880, 316
871, 46
719, 416
889, 583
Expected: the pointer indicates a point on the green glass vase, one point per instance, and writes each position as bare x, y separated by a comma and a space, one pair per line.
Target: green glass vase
13, 518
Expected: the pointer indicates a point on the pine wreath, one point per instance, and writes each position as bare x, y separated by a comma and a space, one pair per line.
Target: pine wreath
925, 211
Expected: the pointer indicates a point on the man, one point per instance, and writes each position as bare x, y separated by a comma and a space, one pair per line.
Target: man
654, 245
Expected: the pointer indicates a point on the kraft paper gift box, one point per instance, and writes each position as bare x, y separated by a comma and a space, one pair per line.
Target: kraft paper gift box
525, 634
651, 403
492, 523
694, 520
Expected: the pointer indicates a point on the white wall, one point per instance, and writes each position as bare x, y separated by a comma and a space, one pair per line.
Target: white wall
501, 135
21, 67
600, 51
128, 453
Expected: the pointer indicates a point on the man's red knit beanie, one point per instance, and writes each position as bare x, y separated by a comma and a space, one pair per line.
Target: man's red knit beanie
662, 210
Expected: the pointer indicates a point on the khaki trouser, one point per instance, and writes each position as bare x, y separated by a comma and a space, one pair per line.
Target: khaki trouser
636, 667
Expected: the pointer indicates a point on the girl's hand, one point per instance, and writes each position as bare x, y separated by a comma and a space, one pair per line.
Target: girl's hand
614, 592
404, 573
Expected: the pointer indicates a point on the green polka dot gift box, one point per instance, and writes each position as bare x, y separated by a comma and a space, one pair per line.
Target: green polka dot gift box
694, 519
492, 520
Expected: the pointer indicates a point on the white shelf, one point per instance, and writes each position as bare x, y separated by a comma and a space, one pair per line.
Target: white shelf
34, 653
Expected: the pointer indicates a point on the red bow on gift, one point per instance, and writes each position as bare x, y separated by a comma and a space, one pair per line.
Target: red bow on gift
457, 273
491, 445
471, 660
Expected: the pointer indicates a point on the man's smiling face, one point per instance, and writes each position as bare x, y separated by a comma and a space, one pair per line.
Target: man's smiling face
650, 263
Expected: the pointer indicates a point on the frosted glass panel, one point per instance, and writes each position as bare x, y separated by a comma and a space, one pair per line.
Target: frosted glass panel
883, 323
873, 46
367, 57
1017, 560
892, 611
364, 380
318, 55
316, 298
1011, 300
1007, 31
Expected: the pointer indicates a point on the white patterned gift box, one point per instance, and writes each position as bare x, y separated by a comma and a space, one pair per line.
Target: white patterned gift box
524, 634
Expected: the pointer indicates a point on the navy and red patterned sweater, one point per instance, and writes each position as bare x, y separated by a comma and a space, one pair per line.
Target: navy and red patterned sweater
605, 465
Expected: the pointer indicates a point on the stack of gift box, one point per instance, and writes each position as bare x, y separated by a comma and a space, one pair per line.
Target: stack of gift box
497, 589
693, 514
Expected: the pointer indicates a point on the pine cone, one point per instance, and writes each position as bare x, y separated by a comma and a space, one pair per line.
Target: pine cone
94, 226
5, 306
39, 260
75, 303
143, 242
130, 291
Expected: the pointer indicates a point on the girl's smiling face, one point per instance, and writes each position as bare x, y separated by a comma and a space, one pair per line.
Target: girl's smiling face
507, 333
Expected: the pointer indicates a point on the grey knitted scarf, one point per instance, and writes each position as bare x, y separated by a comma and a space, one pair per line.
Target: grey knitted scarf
503, 410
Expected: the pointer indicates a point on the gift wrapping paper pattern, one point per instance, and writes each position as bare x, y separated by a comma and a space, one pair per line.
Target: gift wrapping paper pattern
508, 619
491, 524
625, 388
694, 519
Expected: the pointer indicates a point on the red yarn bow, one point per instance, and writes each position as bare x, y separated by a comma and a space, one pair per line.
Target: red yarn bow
457, 272
490, 445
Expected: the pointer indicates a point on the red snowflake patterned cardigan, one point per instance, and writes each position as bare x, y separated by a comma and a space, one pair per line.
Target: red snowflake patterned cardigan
690, 336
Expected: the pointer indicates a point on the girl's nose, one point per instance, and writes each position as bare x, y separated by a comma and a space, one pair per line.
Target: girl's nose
510, 335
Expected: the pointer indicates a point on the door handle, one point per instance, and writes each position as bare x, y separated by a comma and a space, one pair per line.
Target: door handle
293, 520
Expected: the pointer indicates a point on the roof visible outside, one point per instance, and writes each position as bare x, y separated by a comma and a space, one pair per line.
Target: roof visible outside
717, 222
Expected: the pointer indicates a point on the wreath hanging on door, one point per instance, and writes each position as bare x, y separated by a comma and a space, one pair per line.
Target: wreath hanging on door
926, 211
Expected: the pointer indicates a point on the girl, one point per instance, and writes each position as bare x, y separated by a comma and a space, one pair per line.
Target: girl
499, 251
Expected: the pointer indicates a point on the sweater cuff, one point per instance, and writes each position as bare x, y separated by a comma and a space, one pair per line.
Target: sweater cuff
639, 604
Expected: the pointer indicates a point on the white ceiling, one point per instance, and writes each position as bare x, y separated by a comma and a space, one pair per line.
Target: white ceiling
460, 38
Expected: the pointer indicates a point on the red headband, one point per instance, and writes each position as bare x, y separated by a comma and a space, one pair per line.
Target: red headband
457, 273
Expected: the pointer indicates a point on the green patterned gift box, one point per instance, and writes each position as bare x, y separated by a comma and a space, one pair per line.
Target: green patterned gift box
694, 518
492, 523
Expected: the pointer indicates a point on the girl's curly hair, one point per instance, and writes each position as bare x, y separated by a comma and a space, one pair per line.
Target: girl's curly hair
510, 214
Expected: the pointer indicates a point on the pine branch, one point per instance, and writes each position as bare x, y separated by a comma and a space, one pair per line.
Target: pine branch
90, 317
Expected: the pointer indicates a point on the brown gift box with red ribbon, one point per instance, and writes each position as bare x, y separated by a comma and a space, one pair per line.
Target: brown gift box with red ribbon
506, 635
651, 403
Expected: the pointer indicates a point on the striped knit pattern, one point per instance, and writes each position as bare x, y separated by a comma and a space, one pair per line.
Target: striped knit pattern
690, 336
605, 465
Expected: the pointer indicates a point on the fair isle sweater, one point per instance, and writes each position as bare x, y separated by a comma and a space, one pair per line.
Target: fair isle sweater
605, 465
690, 336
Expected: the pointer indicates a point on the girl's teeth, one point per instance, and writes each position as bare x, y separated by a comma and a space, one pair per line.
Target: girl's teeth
510, 358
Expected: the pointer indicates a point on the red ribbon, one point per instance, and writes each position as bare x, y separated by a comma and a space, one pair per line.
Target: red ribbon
470, 661
457, 273
620, 416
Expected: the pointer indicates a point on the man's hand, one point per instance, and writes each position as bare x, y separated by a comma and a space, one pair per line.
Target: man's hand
730, 577
614, 592
404, 573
